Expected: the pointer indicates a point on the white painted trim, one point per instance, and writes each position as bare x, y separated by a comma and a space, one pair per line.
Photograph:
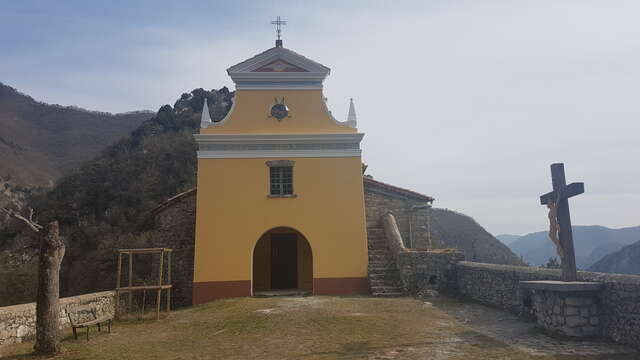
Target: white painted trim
207, 154
278, 138
283, 86
330, 114
226, 117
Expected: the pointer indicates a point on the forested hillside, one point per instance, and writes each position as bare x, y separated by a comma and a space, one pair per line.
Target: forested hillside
39, 142
460, 231
104, 203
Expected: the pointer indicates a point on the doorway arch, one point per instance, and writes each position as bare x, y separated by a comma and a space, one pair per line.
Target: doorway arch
282, 260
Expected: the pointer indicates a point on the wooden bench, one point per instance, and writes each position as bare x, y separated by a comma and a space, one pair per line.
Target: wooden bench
75, 324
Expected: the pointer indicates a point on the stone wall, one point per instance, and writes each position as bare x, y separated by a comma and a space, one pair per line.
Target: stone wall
18, 322
565, 309
499, 286
175, 229
434, 269
421, 269
412, 223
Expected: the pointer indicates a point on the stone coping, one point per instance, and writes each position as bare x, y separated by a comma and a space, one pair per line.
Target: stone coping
63, 301
562, 286
633, 280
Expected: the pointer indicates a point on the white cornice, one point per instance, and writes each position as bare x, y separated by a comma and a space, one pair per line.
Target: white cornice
208, 154
222, 146
279, 86
278, 138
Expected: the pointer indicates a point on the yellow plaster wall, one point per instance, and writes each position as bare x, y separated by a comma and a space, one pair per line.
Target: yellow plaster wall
250, 114
234, 212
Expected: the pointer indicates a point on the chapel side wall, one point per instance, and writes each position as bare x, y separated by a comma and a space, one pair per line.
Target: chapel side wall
175, 229
377, 203
499, 286
18, 322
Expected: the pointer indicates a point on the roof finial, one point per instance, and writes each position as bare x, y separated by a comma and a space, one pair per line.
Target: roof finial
277, 22
351, 117
205, 119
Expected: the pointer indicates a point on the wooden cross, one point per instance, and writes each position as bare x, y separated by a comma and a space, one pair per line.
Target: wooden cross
558, 199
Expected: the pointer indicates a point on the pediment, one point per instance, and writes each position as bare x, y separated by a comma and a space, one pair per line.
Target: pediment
278, 67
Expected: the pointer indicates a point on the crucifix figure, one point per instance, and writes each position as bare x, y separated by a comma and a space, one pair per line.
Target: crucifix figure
277, 22
560, 221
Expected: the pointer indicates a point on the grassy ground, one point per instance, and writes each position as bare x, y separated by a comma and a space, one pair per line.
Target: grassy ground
292, 328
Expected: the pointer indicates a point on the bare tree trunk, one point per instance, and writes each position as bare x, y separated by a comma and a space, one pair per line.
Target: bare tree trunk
48, 301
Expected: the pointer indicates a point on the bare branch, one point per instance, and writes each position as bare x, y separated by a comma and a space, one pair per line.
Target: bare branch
29, 222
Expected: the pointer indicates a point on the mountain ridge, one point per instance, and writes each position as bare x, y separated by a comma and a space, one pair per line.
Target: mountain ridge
39, 142
624, 261
591, 242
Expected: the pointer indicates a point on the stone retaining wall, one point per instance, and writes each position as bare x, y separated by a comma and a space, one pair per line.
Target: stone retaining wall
411, 221
421, 269
435, 269
499, 286
18, 322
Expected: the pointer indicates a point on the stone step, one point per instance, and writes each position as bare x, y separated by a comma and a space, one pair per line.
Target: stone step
386, 289
385, 284
396, 294
379, 251
389, 265
378, 246
380, 258
384, 275
375, 242
382, 270
388, 276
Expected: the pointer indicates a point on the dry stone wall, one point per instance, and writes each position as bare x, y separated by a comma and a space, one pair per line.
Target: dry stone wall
569, 313
18, 322
412, 223
435, 270
421, 269
175, 229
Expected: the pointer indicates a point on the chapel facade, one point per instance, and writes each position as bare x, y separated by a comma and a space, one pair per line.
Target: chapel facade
280, 200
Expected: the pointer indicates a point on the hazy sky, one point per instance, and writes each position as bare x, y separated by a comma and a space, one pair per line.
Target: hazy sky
466, 101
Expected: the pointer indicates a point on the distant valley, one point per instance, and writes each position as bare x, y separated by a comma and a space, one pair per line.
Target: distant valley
592, 243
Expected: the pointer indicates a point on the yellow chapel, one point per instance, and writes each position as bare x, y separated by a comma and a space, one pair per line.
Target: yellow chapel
280, 201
